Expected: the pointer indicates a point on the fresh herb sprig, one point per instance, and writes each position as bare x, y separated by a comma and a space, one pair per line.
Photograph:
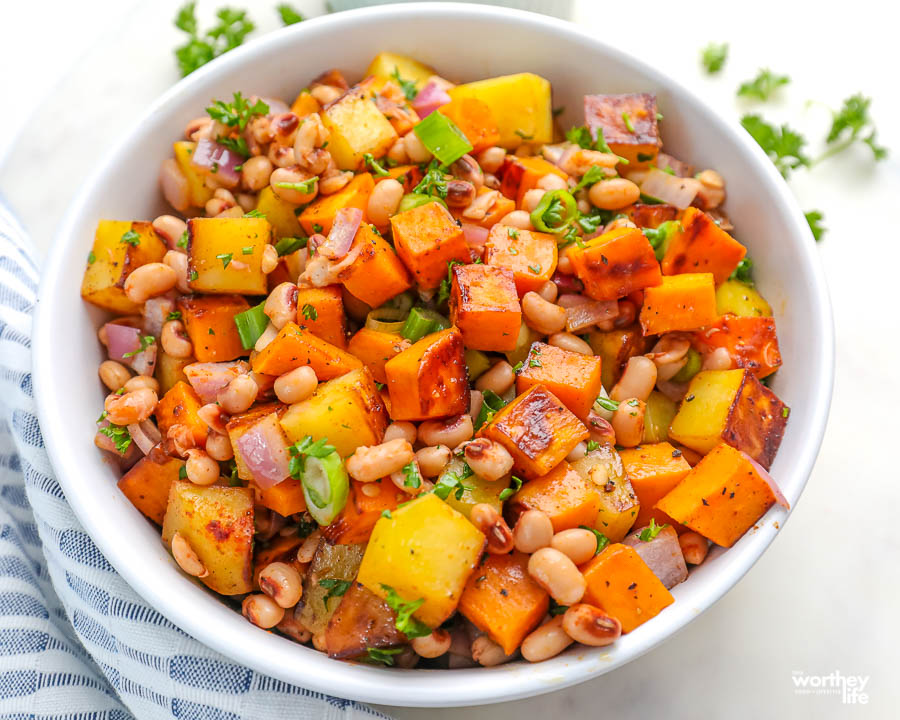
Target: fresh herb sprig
231, 27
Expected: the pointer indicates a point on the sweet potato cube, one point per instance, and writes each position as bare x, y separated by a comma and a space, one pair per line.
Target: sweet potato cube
537, 430
209, 321
521, 174
502, 600
531, 255
285, 498
616, 263
198, 192
681, 302
225, 255
730, 406
614, 348
217, 522
347, 410
429, 380
564, 495
305, 104
476, 121
574, 378
620, 583
751, 342
321, 311
629, 125
147, 484
378, 274
653, 470
295, 346
426, 239
485, 307
650, 216
375, 348
112, 259
362, 620
355, 522
721, 498
357, 127
281, 215
407, 175
179, 406
619, 504
318, 216
424, 550
699, 245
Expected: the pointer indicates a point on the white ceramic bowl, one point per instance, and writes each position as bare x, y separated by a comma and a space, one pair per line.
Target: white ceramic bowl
464, 42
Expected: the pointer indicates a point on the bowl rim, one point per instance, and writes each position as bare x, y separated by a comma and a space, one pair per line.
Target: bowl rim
267, 652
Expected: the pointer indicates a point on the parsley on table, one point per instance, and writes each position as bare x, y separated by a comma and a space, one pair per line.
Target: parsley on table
602, 540
512, 490
145, 342
288, 15
405, 622
407, 86
238, 112
335, 588
713, 57
309, 312
651, 531
814, 218
852, 123
119, 435
763, 86
230, 30
783, 146
131, 238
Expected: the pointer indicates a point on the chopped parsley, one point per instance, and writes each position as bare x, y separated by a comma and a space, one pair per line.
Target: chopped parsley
235, 144
713, 57
183, 240
492, 403
743, 272
592, 445
814, 218
451, 482
248, 250
145, 342
238, 112
433, 182
443, 293
594, 174
306, 447
131, 238
374, 166
411, 473
225, 258
651, 531
309, 312
174, 315
381, 656
602, 540
512, 232
335, 588
317, 228
407, 86
306, 186
556, 609
626, 118
92, 258
255, 214
405, 622
119, 435
512, 490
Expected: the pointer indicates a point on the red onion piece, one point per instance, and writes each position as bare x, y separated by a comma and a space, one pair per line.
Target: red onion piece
566, 283
671, 189
122, 341
476, 237
208, 379
662, 555
265, 452
340, 238
145, 435
679, 167
764, 474
144, 363
132, 453
430, 98
276, 105
156, 310
579, 317
218, 160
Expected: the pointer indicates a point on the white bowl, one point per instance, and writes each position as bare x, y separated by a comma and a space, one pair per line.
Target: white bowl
465, 42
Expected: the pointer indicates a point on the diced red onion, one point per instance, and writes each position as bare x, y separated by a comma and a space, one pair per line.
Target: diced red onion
430, 98
670, 189
122, 341
218, 160
145, 435
276, 106
208, 379
764, 474
340, 238
475, 237
579, 317
662, 555
264, 450
156, 310
567, 283
679, 167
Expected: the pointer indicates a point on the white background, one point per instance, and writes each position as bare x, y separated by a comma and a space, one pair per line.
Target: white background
824, 597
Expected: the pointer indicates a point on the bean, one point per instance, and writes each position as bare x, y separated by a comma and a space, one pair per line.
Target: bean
148, 281
415, 148
311, 134
198, 129
548, 641
332, 182
577, 452
282, 583
491, 159
577, 544
307, 550
619, 222
499, 378
216, 206
187, 559
139, 382
433, 645
548, 291
201, 469
397, 152
491, 181
174, 340
551, 181
370, 463
400, 429
627, 314
467, 168
325, 93
614, 194
290, 195
238, 395
318, 641
296, 385
487, 653
570, 342
218, 447
628, 422
517, 219
694, 547
255, 173
531, 199
488, 459
637, 380
432, 460
712, 189
557, 574
476, 401
450, 432
591, 626
533, 531
214, 417
131, 407
542, 316
384, 201
174, 185
718, 359
170, 229
269, 260
499, 537
371, 489
178, 261
113, 374
564, 264
281, 304
262, 610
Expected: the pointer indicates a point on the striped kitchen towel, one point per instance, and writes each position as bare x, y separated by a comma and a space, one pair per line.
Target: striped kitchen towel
75, 640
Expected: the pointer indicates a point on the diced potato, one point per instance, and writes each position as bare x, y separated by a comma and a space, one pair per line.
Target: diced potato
378, 274
521, 174
318, 216
572, 377
331, 562
485, 307
362, 620
530, 255
225, 255
537, 430
347, 410
426, 550
615, 348
662, 554
477, 490
294, 347
564, 495
426, 238
699, 245
520, 104
616, 263
388, 65
357, 127
355, 522
209, 321
217, 522
657, 417
199, 193
147, 484
734, 407
321, 311
112, 260
180, 406
737, 298
653, 470
619, 504
751, 342
613, 114
681, 302
170, 370
281, 215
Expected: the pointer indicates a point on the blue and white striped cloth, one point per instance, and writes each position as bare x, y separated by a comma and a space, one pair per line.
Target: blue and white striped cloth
76, 642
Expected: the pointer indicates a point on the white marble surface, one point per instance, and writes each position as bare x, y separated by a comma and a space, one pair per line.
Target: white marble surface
823, 598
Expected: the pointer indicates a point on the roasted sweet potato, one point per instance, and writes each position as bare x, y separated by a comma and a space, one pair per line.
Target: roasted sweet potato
428, 379
721, 498
318, 216
147, 484
531, 255
476, 121
295, 346
653, 470
614, 348
616, 263
305, 104
285, 498
225, 255
357, 127
362, 620
426, 239
217, 522
681, 302
485, 307
502, 600
620, 583
209, 321
375, 348
575, 379
650, 216
377, 275
521, 174
629, 125
699, 245
751, 342
619, 504
321, 311
568, 498
734, 407
179, 406
355, 522
338, 563
537, 430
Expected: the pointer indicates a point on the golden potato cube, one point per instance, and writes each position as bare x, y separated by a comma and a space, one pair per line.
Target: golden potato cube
225, 255
330, 562
387, 65
170, 370
119, 247
737, 298
347, 410
520, 104
217, 522
629, 125
476, 490
425, 550
197, 190
619, 504
731, 406
282, 215
357, 127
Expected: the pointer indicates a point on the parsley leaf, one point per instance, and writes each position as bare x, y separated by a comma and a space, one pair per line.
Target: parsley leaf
145, 342
305, 186
602, 540
288, 15
255, 214
651, 531
443, 293
814, 218
183, 240
763, 85
119, 435
713, 57
131, 238
405, 622
318, 449
783, 146
174, 315
235, 144
309, 312
743, 272
238, 112
592, 445
593, 175
451, 482
433, 182
225, 258
413, 478
229, 32
582, 137
335, 588
381, 656
407, 86
510, 491
371, 163
556, 609
849, 124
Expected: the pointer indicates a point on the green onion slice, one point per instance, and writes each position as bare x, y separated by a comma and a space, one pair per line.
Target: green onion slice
250, 325
414, 200
288, 245
554, 212
441, 136
325, 486
386, 320
422, 322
